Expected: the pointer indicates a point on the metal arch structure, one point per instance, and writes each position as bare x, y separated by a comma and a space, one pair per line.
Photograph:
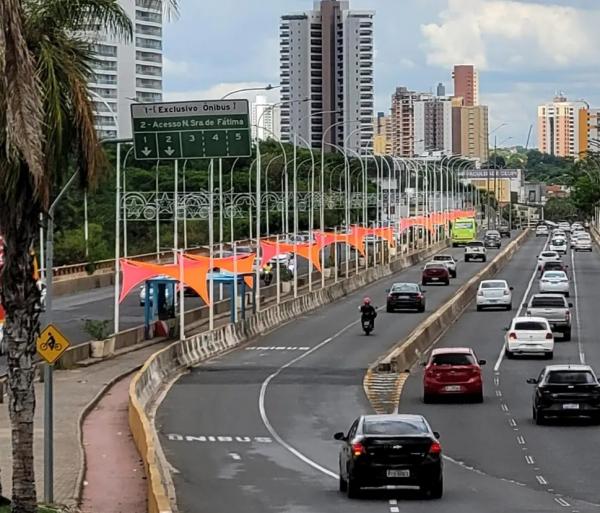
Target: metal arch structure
144, 206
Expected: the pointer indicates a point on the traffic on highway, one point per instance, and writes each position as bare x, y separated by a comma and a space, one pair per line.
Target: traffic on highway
484, 423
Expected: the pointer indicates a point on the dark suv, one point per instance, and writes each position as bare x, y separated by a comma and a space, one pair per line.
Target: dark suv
396, 450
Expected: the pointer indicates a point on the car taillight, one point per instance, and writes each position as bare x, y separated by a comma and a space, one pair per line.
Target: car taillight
419, 296
512, 335
435, 448
568, 315
480, 293
549, 336
358, 449
506, 292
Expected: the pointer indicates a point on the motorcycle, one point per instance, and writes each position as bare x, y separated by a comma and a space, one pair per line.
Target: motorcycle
367, 325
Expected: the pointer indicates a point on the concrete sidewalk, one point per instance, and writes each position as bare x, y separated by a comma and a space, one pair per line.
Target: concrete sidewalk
74, 391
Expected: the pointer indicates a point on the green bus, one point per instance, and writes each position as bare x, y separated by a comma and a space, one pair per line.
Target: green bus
464, 230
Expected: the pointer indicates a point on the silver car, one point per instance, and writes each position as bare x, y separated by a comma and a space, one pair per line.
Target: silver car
583, 243
494, 293
554, 282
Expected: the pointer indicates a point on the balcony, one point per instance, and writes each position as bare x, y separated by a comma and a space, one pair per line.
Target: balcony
153, 5
148, 30
152, 71
148, 44
151, 17
148, 57
147, 83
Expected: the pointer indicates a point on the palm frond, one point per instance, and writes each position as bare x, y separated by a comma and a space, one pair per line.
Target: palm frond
20, 97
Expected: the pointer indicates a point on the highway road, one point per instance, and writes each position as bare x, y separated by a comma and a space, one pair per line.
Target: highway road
540, 468
252, 430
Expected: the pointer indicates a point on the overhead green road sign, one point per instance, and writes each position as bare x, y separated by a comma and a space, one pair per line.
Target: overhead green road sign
191, 130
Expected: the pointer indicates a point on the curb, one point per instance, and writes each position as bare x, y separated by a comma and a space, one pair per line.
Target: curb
385, 378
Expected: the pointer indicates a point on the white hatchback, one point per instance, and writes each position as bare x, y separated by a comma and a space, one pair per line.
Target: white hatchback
494, 293
583, 243
554, 282
558, 244
529, 335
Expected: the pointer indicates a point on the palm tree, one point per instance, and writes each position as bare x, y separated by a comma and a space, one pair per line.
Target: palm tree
46, 128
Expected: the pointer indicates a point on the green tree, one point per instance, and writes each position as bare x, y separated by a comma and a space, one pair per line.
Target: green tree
70, 246
46, 129
557, 209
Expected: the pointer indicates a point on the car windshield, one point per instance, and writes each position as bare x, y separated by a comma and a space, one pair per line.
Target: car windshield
558, 242
442, 258
492, 233
569, 377
435, 266
395, 427
405, 287
453, 359
493, 285
553, 265
530, 326
555, 275
549, 254
464, 224
549, 302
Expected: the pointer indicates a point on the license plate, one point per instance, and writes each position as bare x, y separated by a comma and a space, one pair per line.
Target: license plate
403, 296
434, 279
570, 406
453, 388
398, 473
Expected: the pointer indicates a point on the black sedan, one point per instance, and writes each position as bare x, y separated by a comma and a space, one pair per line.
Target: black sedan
406, 296
504, 230
492, 239
391, 450
566, 391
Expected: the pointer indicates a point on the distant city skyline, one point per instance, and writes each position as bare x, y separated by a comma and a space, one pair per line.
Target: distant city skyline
519, 66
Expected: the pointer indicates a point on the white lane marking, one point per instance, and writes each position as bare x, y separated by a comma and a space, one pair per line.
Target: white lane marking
576, 304
520, 440
276, 348
562, 502
529, 460
541, 480
498, 393
525, 296
497, 382
512, 423
504, 408
235, 456
263, 391
393, 502
394, 509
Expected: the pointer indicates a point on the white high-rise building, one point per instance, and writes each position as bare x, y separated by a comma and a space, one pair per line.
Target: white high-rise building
432, 125
266, 119
127, 72
327, 58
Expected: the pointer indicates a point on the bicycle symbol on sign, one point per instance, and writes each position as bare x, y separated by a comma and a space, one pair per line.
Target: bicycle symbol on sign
51, 344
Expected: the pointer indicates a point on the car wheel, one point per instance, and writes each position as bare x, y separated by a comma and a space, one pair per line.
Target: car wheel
421, 309
447, 282
389, 309
539, 418
550, 355
343, 484
567, 335
509, 307
484, 259
467, 259
567, 294
352, 488
478, 397
423, 283
479, 308
454, 274
508, 354
436, 491
427, 398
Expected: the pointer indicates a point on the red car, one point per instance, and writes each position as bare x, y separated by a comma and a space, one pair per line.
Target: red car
434, 272
453, 371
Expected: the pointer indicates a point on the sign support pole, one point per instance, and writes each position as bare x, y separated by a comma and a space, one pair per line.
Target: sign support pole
211, 241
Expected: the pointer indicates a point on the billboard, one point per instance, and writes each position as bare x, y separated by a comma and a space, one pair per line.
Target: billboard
470, 174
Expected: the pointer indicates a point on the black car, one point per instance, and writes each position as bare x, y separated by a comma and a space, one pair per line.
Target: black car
391, 450
566, 391
406, 296
504, 230
492, 239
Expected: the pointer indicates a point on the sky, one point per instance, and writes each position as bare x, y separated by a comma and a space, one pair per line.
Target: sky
525, 51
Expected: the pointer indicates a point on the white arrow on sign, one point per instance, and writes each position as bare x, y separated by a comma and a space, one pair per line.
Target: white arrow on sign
169, 151
146, 151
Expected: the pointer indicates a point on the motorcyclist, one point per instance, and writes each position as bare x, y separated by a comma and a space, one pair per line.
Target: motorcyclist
268, 273
368, 312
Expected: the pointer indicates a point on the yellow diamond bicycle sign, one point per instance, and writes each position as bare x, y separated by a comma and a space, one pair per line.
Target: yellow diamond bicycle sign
51, 344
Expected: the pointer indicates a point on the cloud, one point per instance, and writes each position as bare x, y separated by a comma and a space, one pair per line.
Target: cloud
176, 68
494, 34
219, 90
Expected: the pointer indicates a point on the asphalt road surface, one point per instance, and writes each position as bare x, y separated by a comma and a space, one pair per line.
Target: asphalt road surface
536, 468
252, 430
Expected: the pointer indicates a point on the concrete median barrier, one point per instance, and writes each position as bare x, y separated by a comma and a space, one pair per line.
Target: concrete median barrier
166, 365
409, 351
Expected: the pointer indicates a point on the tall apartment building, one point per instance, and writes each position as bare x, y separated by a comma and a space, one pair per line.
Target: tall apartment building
265, 119
382, 141
474, 132
403, 122
127, 72
592, 130
327, 57
441, 90
562, 128
432, 125
466, 84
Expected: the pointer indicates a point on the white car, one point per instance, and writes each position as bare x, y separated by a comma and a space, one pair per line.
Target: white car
566, 227
583, 243
529, 335
494, 293
547, 256
475, 250
554, 282
574, 237
558, 244
542, 231
449, 261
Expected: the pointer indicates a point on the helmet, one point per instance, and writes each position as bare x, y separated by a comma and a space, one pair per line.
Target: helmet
367, 301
